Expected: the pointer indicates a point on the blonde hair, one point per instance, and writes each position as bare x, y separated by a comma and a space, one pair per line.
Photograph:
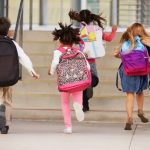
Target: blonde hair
138, 30
127, 35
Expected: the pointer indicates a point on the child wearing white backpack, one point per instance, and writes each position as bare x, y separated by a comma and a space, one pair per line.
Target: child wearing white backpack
91, 32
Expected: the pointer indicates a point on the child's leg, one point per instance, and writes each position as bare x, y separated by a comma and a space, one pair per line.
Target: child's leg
7, 91
3, 112
77, 97
1, 96
87, 94
85, 101
129, 109
140, 101
65, 103
129, 104
77, 104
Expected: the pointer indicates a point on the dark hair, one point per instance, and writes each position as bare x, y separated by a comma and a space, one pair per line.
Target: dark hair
4, 25
87, 16
66, 34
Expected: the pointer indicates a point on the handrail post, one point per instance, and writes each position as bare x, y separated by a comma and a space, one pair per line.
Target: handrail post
1, 8
31, 15
21, 29
43, 20
114, 12
18, 19
21, 39
6, 7
143, 11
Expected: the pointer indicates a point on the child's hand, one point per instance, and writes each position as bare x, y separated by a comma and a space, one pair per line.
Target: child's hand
116, 53
49, 73
146, 42
35, 75
114, 28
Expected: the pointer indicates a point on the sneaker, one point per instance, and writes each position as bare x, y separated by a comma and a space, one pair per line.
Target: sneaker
5, 130
143, 118
2, 117
68, 130
129, 124
79, 112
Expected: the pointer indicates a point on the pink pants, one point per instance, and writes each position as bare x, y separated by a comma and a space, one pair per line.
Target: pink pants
65, 103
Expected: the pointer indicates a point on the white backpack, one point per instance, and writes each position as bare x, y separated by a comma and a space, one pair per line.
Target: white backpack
95, 48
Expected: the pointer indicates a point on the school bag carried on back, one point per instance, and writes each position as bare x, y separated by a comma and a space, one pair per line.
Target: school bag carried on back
136, 62
9, 62
92, 37
72, 72
87, 33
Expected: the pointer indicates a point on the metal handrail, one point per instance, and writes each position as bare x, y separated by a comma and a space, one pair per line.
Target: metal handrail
19, 22
31, 14
19, 17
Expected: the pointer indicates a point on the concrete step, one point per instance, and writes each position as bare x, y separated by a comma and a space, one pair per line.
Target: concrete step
38, 36
103, 116
108, 110
51, 100
40, 48
108, 62
52, 114
47, 36
42, 86
103, 72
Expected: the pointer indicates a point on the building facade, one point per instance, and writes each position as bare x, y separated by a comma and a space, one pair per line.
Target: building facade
50, 12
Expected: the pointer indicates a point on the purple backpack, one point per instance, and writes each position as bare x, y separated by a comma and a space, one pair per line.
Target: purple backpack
72, 72
136, 62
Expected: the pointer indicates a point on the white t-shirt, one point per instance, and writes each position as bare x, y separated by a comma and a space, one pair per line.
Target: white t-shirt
24, 59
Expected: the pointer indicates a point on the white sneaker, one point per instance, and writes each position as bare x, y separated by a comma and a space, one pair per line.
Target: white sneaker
79, 112
68, 130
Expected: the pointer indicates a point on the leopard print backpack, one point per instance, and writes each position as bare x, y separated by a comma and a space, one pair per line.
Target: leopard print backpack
72, 72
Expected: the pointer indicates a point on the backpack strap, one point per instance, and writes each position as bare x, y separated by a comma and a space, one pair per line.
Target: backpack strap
63, 48
117, 78
148, 51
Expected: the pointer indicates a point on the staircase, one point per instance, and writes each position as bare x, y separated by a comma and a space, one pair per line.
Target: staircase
40, 100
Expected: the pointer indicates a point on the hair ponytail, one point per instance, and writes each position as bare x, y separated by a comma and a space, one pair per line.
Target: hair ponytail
98, 19
66, 34
87, 17
74, 15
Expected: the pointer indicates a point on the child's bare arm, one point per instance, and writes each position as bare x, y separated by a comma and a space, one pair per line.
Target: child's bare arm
146, 42
35, 75
117, 52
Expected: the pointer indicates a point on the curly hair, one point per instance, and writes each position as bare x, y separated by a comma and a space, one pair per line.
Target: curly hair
87, 16
67, 34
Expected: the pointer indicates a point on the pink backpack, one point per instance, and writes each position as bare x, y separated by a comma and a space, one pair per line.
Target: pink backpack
72, 72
